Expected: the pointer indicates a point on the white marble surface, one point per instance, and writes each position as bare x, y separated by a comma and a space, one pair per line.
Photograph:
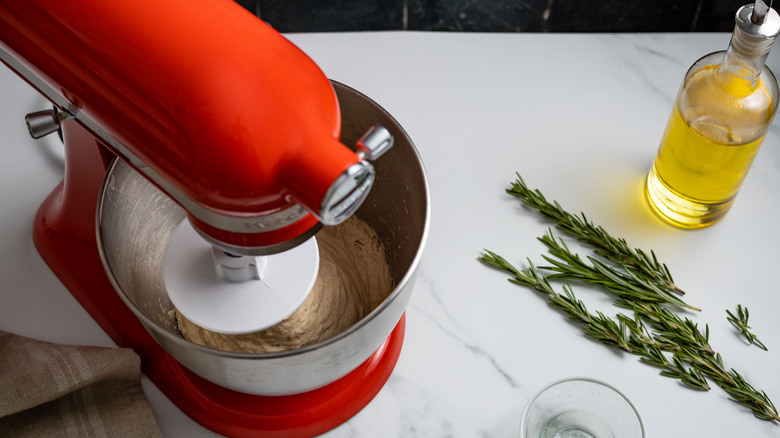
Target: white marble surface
580, 116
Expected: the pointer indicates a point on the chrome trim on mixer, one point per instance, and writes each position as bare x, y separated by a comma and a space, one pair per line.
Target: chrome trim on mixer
33, 79
347, 193
262, 250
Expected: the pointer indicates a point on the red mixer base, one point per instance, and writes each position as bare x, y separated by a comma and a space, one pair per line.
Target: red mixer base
312, 413
64, 233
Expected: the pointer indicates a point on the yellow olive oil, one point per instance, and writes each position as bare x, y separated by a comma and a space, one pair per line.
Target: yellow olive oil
715, 130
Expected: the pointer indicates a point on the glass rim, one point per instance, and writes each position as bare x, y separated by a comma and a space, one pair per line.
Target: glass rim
526, 409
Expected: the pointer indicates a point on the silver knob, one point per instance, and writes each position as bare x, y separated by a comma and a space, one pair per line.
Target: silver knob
43, 123
374, 143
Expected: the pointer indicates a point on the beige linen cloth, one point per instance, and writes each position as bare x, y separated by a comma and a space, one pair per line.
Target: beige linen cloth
52, 390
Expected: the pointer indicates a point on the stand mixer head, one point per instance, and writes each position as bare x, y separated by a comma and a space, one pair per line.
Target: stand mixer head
219, 111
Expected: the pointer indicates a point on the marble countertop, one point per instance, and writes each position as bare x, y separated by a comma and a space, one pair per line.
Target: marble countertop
580, 117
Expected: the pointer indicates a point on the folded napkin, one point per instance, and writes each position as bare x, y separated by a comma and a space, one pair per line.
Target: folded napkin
51, 390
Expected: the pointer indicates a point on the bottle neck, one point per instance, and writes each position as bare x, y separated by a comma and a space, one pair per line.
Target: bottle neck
754, 33
740, 65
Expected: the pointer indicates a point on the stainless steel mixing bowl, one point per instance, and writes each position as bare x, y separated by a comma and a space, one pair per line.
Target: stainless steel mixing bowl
136, 220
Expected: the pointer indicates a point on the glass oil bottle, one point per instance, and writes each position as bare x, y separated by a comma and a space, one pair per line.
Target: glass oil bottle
721, 115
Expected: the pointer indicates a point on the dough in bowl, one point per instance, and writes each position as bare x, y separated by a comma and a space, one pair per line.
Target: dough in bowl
353, 279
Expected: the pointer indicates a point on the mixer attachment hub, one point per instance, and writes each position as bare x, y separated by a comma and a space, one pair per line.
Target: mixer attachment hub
237, 268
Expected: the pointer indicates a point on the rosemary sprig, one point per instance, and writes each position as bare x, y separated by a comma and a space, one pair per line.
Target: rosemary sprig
629, 283
741, 323
611, 248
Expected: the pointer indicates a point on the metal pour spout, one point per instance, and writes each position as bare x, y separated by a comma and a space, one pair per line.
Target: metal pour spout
760, 10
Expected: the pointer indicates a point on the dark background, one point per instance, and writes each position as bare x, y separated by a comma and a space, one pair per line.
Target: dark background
498, 15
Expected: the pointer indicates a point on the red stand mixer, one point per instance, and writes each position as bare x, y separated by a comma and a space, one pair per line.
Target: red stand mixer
221, 120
